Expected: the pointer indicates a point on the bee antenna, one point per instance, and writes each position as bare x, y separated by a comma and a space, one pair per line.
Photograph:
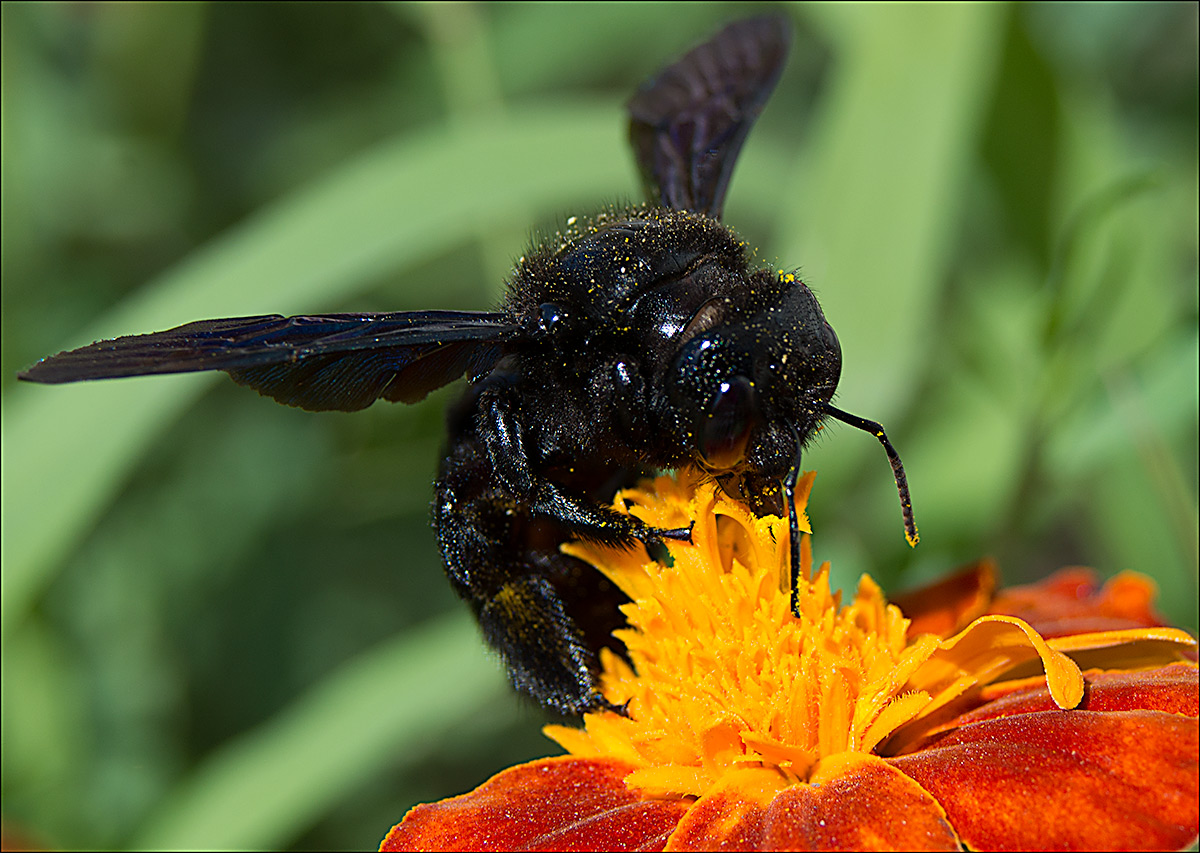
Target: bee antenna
910, 525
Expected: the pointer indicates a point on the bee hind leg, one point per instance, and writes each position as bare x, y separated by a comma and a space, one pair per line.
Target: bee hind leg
541, 647
544, 612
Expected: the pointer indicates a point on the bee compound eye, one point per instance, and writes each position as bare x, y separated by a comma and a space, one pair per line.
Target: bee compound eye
727, 426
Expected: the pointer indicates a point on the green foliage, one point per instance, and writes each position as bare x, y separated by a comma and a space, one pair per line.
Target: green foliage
224, 621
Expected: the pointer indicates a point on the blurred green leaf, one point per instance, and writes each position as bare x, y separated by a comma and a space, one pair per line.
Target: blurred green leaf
259, 791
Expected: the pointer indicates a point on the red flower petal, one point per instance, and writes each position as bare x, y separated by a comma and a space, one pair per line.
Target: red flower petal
860, 803
1174, 689
1071, 601
553, 804
946, 607
1074, 780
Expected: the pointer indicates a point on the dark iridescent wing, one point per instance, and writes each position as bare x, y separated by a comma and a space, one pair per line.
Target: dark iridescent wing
688, 123
330, 361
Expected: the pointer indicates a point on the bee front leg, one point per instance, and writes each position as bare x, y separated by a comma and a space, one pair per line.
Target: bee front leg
504, 438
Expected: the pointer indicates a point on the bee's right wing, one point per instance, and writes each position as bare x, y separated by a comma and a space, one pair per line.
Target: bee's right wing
687, 124
338, 362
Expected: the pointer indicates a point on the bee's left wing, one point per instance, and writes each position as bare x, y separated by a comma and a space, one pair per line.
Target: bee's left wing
688, 123
338, 362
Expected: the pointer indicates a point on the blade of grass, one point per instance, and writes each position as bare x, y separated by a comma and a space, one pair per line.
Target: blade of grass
875, 207
879, 198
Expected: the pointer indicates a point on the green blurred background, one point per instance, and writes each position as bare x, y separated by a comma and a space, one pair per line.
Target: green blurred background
225, 622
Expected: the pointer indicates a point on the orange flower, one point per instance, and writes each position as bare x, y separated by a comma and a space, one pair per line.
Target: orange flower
1045, 717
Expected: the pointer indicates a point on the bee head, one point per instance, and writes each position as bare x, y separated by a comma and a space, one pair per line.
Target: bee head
742, 383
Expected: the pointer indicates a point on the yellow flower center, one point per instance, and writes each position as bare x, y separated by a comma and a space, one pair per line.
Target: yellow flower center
722, 675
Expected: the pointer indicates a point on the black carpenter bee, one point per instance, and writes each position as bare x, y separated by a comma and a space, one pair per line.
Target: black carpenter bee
636, 341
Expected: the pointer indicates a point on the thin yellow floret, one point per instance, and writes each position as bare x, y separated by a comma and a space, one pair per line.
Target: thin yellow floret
722, 675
